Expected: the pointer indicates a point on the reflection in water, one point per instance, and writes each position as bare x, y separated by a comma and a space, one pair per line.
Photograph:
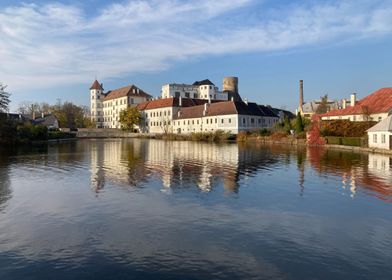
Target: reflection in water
178, 164
5, 190
99, 209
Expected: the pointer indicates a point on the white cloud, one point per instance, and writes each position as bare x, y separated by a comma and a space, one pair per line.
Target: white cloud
55, 44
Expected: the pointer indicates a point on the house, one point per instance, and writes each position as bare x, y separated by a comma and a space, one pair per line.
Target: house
106, 107
229, 116
380, 135
374, 107
50, 121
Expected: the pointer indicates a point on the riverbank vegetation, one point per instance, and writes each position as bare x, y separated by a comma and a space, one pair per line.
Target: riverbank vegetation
24, 132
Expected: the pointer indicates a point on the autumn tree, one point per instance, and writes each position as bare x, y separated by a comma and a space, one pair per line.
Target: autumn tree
129, 118
4, 98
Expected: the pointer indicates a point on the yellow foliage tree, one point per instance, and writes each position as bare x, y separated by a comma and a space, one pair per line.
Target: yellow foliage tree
129, 118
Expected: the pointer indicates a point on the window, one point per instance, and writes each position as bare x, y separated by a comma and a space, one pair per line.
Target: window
243, 120
374, 138
252, 120
216, 120
222, 121
132, 101
383, 138
207, 121
229, 120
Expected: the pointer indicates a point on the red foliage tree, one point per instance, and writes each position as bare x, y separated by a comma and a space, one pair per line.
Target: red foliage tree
314, 136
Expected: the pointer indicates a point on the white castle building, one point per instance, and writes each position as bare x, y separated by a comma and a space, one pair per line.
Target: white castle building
105, 108
204, 89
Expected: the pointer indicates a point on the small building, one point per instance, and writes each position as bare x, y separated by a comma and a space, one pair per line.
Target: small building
50, 121
380, 135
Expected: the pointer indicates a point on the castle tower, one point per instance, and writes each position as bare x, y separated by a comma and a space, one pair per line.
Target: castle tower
96, 100
230, 85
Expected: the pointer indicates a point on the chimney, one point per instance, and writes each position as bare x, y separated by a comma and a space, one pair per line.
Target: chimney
344, 103
33, 115
180, 101
42, 115
205, 109
232, 98
353, 99
246, 101
301, 94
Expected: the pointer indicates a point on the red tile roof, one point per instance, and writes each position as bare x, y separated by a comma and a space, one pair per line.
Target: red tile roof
96, 85
377, 102
131, 90
171, 102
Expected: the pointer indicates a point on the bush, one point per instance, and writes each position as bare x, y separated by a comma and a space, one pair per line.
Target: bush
278, 135
345, 128
346, 141
242, 136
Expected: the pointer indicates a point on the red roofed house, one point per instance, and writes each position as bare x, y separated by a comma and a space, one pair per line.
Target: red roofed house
376, 106
106, 107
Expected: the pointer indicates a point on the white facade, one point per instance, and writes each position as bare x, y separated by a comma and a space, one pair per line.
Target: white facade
358, 118
380, 139
96, 106
113, 107
233, 123
208, 92
105, 108
158, 120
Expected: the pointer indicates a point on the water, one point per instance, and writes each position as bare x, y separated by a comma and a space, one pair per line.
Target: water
149, 209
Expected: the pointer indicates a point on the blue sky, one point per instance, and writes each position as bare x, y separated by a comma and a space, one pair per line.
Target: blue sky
53, 50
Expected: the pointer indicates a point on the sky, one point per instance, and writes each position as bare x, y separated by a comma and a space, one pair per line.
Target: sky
51, 50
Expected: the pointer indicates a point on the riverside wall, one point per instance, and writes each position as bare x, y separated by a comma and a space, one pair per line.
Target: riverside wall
106, 133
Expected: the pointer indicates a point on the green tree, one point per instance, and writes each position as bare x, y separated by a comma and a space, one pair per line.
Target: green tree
323, 107
287, 124
299, 124
129, 118
4, 98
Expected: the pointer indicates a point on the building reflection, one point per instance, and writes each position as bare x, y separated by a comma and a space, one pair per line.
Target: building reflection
178, 164
368, 172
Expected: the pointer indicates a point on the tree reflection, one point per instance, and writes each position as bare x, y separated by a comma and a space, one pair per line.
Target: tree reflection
5, 185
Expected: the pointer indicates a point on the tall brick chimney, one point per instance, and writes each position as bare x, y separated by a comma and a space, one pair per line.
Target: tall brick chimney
301, 94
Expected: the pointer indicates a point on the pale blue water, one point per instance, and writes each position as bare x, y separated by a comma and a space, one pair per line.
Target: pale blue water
149, 209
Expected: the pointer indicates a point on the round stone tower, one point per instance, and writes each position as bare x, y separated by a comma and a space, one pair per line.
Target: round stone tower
230, 85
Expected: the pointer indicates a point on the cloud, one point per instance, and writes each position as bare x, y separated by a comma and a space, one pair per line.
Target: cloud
56, 44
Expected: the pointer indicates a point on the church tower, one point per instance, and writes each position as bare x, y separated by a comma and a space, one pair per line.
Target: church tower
96, 101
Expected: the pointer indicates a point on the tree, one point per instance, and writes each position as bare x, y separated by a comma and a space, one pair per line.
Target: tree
323, 107
129, 118
4, 98
299, 125
69, 115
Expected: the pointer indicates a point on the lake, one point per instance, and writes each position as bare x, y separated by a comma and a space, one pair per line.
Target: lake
150, 209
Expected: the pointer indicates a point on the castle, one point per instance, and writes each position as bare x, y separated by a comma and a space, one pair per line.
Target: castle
183, 108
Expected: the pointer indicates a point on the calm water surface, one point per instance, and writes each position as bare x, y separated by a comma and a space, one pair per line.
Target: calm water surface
149, 209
